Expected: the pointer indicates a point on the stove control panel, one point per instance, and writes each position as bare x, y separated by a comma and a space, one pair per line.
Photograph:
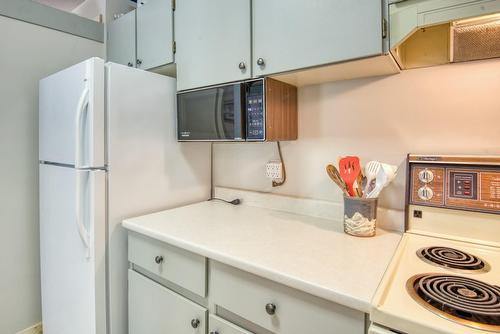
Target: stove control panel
455, 186
426, 175
463, 185
425, 193
428, 185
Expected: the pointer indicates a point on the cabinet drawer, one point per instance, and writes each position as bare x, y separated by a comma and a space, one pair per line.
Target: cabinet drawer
154, 309
217, 325
295, 312
176, 265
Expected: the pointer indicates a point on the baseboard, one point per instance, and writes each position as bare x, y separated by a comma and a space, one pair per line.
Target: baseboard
35, 329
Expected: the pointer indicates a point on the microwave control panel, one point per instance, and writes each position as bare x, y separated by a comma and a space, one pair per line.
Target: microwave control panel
255, 111
455, 186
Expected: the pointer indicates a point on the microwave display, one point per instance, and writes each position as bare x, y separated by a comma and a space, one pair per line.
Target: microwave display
255, 110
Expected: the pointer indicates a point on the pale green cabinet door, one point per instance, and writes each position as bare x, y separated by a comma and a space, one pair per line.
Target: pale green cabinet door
154, 309
213, 42
154, 34
121, 40
295, 34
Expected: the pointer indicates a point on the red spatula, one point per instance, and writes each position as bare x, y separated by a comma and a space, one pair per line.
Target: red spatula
350, 169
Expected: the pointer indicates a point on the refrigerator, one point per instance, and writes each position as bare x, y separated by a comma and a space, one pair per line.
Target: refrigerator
107, 151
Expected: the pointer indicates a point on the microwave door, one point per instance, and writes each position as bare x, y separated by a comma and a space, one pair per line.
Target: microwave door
229, 117
210, 114
219, 114
196, 115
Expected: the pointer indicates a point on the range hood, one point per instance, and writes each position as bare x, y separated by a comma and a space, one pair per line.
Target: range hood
435, 32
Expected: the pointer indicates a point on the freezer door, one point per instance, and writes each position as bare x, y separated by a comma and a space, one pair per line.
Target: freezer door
71, 115
72, 241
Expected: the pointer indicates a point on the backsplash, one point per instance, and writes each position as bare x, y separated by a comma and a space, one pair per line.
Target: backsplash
387, 219
451, 109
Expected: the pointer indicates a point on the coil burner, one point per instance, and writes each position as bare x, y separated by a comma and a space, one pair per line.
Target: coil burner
453, 259
460, 299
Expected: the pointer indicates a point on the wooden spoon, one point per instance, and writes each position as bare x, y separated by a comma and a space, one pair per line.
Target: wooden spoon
335, 176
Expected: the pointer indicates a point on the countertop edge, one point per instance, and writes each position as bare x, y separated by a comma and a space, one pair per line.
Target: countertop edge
310, 288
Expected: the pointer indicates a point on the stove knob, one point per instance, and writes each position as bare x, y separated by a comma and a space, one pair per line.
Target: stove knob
426, 176
425, 193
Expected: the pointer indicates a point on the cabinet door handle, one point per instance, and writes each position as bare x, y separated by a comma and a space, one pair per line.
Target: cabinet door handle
261, 62
214, 332
195, 323
159, 259
242, 65
270, 309
138, 62
130, 64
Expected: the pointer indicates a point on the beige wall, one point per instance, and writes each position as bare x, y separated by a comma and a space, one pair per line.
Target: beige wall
447, 109
27, 54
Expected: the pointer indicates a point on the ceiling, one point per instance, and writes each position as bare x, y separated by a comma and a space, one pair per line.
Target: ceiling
66, 5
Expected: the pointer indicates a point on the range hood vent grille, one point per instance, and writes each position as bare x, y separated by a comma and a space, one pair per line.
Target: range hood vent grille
473, 40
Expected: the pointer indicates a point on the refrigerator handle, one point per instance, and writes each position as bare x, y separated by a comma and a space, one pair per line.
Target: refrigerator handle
79, 127
84, 234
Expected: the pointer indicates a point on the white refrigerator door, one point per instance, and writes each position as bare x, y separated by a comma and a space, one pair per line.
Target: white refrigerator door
148, 169
71, 115
72, 241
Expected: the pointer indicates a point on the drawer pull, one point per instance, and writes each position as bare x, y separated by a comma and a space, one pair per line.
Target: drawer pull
159, 259
270, 309
195, 323
214, 332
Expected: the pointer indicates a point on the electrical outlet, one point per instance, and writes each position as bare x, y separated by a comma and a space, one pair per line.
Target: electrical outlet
274, 170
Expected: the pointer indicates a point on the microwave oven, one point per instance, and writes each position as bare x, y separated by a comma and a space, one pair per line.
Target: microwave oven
253, 110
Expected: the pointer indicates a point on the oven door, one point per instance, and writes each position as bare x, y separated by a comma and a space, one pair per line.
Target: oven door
211, 114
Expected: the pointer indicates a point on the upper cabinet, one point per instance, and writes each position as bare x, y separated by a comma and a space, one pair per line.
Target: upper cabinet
155, 39
296, 34
150, 28
121, 40
213, 42
221, 41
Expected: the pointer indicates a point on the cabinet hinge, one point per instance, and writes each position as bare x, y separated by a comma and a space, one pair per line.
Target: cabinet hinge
174, 46
384, 28
173, 4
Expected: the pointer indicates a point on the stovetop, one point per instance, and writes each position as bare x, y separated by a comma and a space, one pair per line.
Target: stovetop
436, 285
453, 259
460, 299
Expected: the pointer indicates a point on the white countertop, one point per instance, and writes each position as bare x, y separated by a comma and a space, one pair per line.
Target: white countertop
306, 253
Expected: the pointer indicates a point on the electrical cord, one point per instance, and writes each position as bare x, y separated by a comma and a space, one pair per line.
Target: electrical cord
275, 183
235, 201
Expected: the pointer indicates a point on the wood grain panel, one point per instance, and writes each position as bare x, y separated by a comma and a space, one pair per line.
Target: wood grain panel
485, 182
489, 193
455, 159
281, 111
490, 187
437, 186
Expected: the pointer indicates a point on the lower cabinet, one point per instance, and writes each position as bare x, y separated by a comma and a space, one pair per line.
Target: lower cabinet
154, 309
235, 298
217, 325
277, 308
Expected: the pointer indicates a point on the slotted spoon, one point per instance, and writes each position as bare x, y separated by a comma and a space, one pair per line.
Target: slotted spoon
349, 169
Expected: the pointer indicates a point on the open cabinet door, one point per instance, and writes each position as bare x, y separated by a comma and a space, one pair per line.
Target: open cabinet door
72, 232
